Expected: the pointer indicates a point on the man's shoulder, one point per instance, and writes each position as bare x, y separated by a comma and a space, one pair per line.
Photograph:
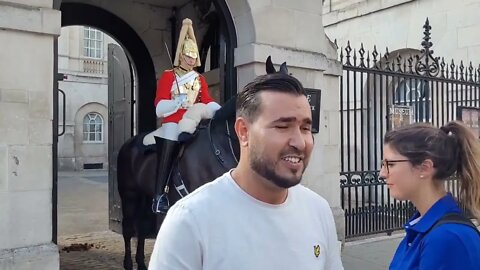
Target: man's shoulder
207, 193
310, 196
168, 73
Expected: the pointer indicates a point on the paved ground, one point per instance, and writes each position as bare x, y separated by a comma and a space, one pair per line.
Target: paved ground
370, 254
85, 242
99, 250
82, 202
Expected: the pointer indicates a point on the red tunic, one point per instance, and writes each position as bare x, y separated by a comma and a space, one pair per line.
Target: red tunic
164, 87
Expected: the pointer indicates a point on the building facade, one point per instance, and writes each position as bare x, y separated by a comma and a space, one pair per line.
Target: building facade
249, 31
403, 61
82, 59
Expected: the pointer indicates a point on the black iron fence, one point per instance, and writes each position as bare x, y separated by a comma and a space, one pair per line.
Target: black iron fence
381, 92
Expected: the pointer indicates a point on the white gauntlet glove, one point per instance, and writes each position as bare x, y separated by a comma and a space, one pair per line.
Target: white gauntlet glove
166, 108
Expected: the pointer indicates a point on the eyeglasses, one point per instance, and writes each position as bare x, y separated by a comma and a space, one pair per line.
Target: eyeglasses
386, 163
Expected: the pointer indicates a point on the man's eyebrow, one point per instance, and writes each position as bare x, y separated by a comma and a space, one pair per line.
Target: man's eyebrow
292, 119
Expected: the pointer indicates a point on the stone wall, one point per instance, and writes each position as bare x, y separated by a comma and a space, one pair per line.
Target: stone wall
29, 28
292, 31
400, 27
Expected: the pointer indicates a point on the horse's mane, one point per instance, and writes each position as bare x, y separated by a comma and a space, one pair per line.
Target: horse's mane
227, 111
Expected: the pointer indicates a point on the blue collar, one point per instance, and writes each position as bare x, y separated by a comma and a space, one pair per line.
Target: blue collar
446, 204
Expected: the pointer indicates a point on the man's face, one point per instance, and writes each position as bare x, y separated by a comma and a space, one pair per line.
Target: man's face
280, 139
187, 62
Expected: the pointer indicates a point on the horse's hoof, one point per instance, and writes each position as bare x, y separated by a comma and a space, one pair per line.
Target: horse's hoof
128, 265
141, 266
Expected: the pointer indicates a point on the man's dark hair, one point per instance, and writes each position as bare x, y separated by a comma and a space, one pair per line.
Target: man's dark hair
249, 101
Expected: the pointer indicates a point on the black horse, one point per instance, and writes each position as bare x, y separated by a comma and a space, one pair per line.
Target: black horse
212, 151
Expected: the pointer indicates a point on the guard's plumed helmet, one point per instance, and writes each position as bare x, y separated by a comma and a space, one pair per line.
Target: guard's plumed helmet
187, 44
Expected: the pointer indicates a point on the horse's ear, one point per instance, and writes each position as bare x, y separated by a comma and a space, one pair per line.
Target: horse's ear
269, 66
283, 68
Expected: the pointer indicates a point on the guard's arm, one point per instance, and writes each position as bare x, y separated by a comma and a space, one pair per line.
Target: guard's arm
205, 97
164, 105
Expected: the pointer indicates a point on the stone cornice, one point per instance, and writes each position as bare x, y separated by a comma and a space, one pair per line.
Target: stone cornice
258, 53
25, 18
359, 9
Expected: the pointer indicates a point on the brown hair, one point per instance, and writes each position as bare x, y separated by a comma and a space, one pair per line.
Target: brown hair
452, 148
249, 100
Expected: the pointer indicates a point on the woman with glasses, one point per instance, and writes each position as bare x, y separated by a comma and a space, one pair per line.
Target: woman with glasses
417, 160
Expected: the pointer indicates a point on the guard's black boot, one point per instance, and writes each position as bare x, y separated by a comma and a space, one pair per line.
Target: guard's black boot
166, 153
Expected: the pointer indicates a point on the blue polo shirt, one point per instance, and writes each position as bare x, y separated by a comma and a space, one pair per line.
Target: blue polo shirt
447, 247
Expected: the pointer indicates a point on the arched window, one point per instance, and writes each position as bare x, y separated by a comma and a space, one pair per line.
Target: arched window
93, 128
414, 92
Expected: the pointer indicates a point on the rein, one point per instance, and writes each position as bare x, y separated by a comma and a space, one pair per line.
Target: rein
179, 184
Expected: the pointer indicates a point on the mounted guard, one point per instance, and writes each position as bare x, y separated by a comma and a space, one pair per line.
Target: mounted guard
182, 100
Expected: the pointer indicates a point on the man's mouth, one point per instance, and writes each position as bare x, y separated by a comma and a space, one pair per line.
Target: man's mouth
293, 159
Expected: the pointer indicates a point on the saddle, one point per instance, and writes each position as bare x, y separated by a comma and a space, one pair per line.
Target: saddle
144, 149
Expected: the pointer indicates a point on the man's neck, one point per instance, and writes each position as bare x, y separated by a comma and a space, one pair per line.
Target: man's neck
257, 186
180, 70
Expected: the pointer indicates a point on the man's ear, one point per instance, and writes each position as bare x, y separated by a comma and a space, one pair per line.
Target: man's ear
241, 128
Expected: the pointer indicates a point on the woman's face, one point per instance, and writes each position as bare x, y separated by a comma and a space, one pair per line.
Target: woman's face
401, 176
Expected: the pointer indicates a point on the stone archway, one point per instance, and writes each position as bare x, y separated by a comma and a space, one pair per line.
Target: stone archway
135, 48
143, 52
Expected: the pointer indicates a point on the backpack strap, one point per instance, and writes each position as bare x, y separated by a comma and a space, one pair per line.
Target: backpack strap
454, 218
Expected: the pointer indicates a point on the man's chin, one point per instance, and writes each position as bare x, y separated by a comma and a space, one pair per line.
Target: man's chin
287, 181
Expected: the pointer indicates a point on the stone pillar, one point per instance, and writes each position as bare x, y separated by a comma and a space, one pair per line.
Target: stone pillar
292, 31
29, 28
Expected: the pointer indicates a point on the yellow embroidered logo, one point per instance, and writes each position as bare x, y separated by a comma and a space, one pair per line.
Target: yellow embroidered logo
316, 250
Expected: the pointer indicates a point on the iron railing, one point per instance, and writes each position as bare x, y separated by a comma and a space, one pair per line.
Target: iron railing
377, 94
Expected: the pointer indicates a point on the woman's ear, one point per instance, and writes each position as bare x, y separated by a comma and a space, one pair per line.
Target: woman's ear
427, 169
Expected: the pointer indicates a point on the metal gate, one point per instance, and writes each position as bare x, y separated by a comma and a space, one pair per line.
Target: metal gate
120, 125
379, 93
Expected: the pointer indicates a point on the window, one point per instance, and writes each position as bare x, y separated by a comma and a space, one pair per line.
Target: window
415, 92
93, 128
92, 42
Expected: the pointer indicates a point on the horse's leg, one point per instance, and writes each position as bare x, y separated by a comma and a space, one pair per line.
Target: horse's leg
128, 232
140, 255
129, 205
142, 231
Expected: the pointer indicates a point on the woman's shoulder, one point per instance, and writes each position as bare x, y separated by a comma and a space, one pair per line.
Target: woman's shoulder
451, 234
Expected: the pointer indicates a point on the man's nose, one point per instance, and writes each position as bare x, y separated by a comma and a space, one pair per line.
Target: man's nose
298, 140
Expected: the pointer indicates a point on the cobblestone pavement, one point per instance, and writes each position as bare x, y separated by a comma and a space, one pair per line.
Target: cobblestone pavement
99, 251
84, 240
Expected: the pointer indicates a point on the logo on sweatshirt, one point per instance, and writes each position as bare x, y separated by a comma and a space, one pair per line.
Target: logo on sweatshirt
316, 250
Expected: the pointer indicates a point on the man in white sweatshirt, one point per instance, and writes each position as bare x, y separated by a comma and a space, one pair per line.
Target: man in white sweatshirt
256, 216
